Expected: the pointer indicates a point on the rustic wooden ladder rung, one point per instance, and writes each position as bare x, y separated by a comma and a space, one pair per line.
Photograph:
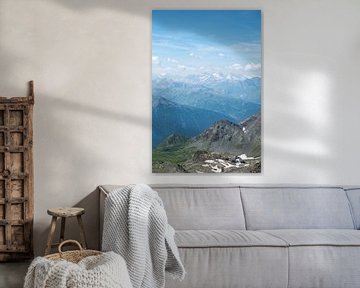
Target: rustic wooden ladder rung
16, 177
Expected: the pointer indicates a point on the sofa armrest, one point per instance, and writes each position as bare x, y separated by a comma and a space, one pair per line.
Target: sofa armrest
102, 197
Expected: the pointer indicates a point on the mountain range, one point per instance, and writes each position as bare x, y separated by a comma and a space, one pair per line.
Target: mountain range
208, 123
189, 106
169, 118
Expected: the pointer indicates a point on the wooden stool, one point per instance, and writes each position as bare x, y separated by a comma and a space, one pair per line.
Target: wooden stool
64, 213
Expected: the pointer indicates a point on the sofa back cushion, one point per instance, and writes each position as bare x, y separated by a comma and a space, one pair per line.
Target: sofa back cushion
202, 208
296, 208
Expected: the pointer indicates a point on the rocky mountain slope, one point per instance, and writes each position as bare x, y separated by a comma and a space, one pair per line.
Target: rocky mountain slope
225, 136
223, 147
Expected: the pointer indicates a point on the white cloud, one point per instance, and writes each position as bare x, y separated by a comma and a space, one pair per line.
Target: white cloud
180, 66
246, 67
221, 54
184, 67
195, 55
252, 66
236, 66
171, 60
155, 60
206, 48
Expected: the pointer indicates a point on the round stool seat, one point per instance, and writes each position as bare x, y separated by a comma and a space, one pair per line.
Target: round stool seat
66, 211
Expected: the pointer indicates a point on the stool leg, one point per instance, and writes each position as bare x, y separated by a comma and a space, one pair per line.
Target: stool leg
82, 232
62, 231
51, 235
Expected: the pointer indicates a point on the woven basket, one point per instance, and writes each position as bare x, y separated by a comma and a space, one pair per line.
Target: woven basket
72, 256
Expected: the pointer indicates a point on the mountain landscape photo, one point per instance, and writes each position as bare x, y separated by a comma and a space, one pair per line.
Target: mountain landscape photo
206, 91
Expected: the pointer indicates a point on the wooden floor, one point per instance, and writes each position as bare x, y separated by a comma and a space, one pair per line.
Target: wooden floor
12, 274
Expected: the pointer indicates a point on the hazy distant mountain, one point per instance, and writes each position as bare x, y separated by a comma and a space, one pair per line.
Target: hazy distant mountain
234, 86
169, 118
210, 78
225, 94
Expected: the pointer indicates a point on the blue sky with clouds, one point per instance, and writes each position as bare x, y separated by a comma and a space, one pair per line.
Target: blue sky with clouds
186, 42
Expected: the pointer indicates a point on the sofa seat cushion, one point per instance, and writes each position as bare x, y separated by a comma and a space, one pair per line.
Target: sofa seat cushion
233, 267
225, 238
317, 237
323, 258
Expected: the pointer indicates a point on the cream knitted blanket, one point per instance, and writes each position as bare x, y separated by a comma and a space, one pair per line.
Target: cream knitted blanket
136, 227
103, 271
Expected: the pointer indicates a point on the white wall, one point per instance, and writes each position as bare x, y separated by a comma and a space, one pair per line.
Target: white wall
91, 64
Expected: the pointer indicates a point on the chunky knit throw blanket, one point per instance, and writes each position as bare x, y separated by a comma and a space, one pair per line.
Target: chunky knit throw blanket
102, 271
136, 227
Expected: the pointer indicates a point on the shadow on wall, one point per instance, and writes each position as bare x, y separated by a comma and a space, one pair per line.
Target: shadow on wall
74, 157
137, 7
62, 167
143, 8
80, 108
